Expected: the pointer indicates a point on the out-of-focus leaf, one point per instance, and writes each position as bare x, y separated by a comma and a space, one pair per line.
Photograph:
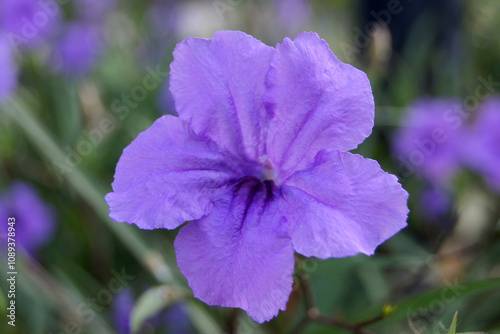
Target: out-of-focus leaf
150, 303
453, 326
200, 319
423, 300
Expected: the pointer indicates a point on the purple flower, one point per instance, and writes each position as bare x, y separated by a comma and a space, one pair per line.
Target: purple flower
293, 14
482, 148
34, 220
8, 70
429, 140
28, 22
257, 162
78, 49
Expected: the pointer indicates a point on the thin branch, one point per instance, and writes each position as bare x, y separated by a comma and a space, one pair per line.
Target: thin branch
305, 286
337, 323
313, 313
371, 320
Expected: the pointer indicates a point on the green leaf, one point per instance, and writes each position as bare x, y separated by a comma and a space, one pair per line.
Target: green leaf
150, 303
453, 326
452, 292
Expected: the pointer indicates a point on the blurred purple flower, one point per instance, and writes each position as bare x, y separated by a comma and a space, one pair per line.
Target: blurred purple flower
173, 320
429, 140
176, 319
257, 162
28, 22
123, 304
435, 202
293, 14
94, 10
482, 148
34, 225
78, 49
8, 69
163, 18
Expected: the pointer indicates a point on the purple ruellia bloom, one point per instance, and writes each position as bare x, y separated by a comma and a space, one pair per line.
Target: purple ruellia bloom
78, 49
257, 161
8, 69
482, 148
429, 140
34, 219
29, 22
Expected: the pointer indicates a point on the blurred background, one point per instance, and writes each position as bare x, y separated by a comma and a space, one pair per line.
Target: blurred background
80, 79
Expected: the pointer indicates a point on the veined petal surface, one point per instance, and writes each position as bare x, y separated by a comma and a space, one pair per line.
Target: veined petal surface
168, 175
343, 205
317, 102
217, 85
240, 255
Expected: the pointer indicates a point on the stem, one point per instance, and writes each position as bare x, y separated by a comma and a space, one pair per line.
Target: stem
337, 323
314, 314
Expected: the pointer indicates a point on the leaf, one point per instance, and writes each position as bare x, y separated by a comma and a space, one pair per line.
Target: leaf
453, 326
451, 292
150, 303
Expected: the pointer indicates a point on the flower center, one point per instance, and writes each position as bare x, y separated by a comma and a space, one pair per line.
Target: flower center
269, 172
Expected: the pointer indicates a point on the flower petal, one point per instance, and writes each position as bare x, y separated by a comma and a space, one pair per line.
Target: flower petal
343, 205
317, 101
240, 255
218, 85
168, 175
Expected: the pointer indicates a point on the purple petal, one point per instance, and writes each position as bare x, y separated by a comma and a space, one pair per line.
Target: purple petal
318, 103
168, 175
218, 85
343, 205
240, 255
